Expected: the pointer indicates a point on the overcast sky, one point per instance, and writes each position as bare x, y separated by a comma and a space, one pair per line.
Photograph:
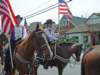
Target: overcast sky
77, 7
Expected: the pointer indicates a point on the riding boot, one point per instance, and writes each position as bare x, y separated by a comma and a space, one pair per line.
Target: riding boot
45, 66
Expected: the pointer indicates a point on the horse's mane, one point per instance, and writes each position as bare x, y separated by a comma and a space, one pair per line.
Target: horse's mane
27, 41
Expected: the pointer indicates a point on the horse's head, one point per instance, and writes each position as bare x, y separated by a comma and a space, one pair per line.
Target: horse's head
41, 44
77, 48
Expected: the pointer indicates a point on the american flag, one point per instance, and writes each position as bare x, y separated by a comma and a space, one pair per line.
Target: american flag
8, 19
64, 9
26, 26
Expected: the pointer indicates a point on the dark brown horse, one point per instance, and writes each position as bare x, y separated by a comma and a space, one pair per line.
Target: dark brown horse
90, 64
3, 42
62, 54
24, 57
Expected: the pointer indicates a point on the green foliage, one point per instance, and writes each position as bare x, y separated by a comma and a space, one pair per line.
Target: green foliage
98, 42
88, 45
64, 40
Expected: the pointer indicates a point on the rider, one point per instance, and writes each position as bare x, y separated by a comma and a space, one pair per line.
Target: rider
50, 32
17, 32
51, 35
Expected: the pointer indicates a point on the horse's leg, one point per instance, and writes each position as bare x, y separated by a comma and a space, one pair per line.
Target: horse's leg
60, 69
13, 71
21, 73
35, 66
34, 72
2, 59
1, 54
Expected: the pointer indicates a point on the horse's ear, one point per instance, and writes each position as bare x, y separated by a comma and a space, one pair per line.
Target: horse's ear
37, 27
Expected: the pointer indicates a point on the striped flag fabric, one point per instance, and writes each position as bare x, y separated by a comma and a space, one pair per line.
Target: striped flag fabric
64, 9
8, 19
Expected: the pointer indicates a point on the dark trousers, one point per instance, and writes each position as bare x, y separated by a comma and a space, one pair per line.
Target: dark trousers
13, 44
7, 66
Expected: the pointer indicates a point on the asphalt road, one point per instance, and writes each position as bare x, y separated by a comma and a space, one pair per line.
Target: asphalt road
71, 69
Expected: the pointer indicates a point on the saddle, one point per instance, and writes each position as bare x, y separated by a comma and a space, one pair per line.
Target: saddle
61, 49
18, 41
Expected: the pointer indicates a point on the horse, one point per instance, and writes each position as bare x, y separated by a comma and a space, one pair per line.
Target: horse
24, 55
61, 56
3, 43
90, 64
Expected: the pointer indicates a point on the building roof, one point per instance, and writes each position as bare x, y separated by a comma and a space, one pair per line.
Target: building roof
91, 24
78, 20
93, 19
75, 20
85, 28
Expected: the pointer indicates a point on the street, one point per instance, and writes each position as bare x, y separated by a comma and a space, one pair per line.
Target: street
72, 68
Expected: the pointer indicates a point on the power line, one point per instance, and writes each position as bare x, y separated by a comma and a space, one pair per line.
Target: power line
39, 6
43, 10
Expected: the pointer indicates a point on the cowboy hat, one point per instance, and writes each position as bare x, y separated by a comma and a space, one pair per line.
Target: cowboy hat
49, 21
19, 17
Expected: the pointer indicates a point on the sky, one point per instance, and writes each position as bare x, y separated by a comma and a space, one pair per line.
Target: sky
78, 8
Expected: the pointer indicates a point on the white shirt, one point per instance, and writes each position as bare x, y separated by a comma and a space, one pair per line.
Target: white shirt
51, 34
18, 32
25, 33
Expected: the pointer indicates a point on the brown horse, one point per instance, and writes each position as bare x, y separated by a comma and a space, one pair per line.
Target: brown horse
62, 54
90, 64
25, 53
3, 42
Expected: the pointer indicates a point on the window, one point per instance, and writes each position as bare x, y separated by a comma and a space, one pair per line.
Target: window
75, 39
85, 39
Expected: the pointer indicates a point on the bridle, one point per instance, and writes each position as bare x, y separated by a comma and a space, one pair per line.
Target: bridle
46, 45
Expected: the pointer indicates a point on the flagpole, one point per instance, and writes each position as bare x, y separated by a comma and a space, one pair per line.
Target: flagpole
59, 12
58, 18
10, 51
69, 20
13, 19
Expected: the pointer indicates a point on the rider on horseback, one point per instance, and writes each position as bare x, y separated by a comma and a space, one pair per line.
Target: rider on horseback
17, 32
51, 36
50, 31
